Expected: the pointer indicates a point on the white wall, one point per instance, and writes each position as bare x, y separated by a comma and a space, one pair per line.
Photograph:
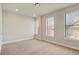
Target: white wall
38, 28
60, 28
0, 26
16, 27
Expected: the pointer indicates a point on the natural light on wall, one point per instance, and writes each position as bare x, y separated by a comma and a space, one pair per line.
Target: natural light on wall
72, 25
37, 26
50, 26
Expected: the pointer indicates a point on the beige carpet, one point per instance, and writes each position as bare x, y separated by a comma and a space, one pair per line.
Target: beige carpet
35, 47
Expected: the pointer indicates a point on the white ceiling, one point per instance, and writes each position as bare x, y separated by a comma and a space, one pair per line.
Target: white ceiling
29, 9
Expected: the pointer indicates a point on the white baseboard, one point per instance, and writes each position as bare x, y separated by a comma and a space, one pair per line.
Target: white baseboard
27, 38
62, 44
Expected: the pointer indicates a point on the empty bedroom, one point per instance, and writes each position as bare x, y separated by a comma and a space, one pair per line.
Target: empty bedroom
39, 28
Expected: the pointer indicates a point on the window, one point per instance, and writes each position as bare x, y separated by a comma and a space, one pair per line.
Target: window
50, 26
72, 25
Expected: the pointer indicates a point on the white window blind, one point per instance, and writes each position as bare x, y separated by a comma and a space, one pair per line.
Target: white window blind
72, 25
50, 26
